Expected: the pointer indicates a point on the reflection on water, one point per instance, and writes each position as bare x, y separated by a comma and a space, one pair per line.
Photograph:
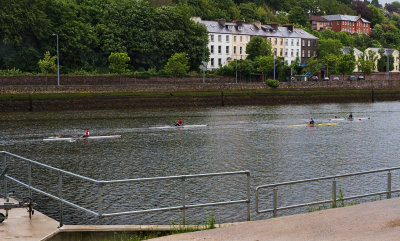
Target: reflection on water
253, 138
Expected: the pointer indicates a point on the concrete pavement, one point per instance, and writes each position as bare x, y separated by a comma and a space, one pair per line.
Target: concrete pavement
378, 220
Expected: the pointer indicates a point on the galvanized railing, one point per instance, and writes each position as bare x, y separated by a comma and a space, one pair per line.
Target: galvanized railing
100, 188
334, 199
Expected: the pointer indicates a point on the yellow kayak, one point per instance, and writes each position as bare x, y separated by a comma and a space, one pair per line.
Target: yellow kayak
318, 124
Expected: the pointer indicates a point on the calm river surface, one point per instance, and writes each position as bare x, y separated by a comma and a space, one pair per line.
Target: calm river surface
255, 138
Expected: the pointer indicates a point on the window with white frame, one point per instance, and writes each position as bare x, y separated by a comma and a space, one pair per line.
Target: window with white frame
276, 41
286, 52
241, 38
281, 52
240, 50
297, 53
291, 52
281, 41
234, 38
212, 49
240, 28
303, 43
227, 38
302, 53
315, 53
212, 38
234, 49
219, 38
219, 61
286, 42
227, 49
298, 42
219, 49
291, 41
212, 61
275, 51
230, 27
309, 53
309, 43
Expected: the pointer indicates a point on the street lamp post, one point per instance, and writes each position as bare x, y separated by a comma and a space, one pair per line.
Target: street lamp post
387, 65
274, 66
58, 61
236, 70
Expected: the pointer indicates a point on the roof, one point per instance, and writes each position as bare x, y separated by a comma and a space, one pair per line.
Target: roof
386, 51
346, 50
252, 30
317, 18
339, 17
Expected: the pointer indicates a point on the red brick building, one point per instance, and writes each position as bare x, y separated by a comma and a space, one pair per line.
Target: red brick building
348, 23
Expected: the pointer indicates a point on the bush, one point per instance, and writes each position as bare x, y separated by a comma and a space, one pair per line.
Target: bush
142, 75
273, 83
11, 72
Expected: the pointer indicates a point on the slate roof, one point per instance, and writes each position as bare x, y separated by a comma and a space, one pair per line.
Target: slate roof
386, 51
346, 50
340, 17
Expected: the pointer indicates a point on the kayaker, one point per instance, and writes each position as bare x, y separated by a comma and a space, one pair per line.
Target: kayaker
178, 123
86, 134
312, 122
351, 115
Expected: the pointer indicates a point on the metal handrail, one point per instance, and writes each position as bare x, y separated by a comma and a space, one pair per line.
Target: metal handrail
102, 183
275, 186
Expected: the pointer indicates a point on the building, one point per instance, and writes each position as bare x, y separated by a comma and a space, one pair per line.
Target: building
342, 23
228, 41
386, 52
357, 55
319, 23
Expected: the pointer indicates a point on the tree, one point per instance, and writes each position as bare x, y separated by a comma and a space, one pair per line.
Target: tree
365, 65
376, 3
329, 46
48, 63
177, 65
313, 66
330, 62
377, 16
362, 8
118, 62
346, 65
258, 47
297, 15
382, 62
265, 64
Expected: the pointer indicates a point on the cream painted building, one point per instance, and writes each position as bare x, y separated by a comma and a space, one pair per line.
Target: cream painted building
376, 57
357, 55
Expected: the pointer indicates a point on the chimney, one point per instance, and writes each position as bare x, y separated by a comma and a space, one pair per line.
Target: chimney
239, 22
359, 15
273, 25
344, 13
257, 24
221, 21
290, 27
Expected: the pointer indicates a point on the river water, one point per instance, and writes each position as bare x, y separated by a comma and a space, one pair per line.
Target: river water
255, 138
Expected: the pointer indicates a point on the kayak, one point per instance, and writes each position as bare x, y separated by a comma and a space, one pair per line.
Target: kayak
316, 124
350, 119
56, 138
178, 127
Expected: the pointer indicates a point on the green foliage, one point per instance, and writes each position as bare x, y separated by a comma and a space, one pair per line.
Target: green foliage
142, 75
383, 62
11, 72
177, 65
118, 62
48, 63
258, 47
272, 83
313, 66
346, 64
366, 66
297, 15
264, 64
329, 46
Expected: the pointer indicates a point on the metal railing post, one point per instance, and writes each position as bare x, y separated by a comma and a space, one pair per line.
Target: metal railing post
5, 179
334, 193
389, 185
248, 196
183, 201
100, 189
30, 180
275, 201
60, 196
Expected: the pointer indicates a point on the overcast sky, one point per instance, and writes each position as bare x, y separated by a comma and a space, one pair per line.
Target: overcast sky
386, 1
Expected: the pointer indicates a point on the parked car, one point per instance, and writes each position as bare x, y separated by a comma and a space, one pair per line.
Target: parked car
314, 78
335, 78
351, 78
326, 79
360, 77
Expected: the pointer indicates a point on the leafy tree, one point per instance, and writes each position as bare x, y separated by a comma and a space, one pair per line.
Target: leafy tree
248, 11
346, 65
382, 62
265, 64
377, 16
177, 65
313, 66
329, 46
258, 47
48, 63
376, 3
118, 62
361, 8
298, 16
245, 68
365, 65
330, 62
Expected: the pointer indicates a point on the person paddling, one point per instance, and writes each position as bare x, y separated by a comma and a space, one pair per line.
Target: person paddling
351, 115
86, 134
312, 122
178, 123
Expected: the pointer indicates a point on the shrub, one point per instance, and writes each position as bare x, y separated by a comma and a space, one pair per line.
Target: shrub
11, 72
143, 75
272, 83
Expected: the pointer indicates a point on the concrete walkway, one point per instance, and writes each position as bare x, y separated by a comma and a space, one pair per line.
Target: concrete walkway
378, 220
18, 226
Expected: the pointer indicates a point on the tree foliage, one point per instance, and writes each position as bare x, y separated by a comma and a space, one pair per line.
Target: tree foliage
177, 65
258, 47
119, 62
48, 63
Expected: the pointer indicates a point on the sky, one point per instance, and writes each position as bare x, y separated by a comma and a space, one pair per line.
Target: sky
383, 2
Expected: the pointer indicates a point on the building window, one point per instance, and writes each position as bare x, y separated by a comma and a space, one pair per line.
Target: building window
219, 38
212, 61
212, 49
230, 27
276, 41
303, 43
315, 53
281, 52
297, 53
212, 38
286, 42
234, 49
234, 38
219, 61
240, 50
291, 52
315, 42
302, 53
298, 42
275, 51
227, 38
309, 43
219, 49
291, 41
281, 41
309, 53
240, 28
241, 38
285, 52
247, 38
227, 49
